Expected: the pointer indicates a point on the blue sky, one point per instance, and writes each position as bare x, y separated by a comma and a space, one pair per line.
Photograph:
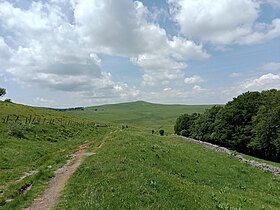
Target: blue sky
66, 53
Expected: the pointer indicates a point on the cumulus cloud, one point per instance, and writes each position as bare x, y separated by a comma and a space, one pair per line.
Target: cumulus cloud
168, 64
223, 22
48, 50
56, 44
125, 28
193, 79
266, 81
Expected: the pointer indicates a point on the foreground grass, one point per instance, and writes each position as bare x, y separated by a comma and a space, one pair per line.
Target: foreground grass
135, 170
141, 114
36, 149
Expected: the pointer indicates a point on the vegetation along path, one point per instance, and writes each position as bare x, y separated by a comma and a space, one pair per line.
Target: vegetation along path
49, 198
263, 166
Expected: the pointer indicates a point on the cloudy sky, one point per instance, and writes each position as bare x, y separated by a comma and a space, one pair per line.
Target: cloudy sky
65, 53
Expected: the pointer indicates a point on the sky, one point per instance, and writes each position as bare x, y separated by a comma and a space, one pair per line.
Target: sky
68, 53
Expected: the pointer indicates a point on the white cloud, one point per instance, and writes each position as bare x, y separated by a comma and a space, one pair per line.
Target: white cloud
43, 101
235, 74
261, 33
56, 44
5, 52
167, 89
223, 22
198, 89
272, 67
195, 95
159, 68
275, 3
168, 64
124, 28
49, 51
193, 79
266, 81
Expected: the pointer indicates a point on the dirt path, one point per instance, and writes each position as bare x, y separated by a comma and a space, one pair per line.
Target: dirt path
49, 198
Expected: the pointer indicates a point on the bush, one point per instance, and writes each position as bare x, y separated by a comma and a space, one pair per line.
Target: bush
161, 132
17, 130
184, 133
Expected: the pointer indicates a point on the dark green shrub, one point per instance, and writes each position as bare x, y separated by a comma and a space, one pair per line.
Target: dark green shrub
161, 132
185, 133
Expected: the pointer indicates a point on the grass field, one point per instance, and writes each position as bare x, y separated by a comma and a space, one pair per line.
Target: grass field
135, 170
33, 148
147, 116
132, 170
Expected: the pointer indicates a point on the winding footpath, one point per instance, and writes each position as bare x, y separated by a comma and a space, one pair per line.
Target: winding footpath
49, 198
263, 166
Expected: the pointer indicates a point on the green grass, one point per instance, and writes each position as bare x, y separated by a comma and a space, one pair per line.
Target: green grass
248, 157
133, 169
136, 170
34, 147
147, 116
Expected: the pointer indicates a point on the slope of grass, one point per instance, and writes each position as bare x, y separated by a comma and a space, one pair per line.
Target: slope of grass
142, 114
135, 170
36, 148
132, 170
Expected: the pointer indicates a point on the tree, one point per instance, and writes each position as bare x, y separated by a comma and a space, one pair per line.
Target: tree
203, 128
161, 132
233, 125
250, 124
2, 91
266, 126
185, 122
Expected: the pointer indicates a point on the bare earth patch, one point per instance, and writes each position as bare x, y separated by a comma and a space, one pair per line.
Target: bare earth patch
49, 198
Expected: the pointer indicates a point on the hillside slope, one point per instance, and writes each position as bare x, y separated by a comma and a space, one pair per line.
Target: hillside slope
34, 142
142, 114
136, 170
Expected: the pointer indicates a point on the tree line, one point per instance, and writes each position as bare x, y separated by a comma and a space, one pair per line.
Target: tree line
250, 124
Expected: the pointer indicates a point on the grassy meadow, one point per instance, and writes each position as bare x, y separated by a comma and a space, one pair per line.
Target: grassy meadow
134, 169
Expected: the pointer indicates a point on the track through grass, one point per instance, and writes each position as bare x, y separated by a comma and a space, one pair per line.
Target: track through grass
136, 170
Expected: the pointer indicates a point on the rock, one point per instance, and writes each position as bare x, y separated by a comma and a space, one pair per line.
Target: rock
9, 200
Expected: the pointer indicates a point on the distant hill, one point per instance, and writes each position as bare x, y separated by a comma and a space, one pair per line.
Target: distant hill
141, 114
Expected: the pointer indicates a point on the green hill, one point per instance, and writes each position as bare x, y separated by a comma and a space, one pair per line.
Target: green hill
142, 114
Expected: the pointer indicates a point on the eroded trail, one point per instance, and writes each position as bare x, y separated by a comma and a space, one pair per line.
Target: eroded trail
49, 198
